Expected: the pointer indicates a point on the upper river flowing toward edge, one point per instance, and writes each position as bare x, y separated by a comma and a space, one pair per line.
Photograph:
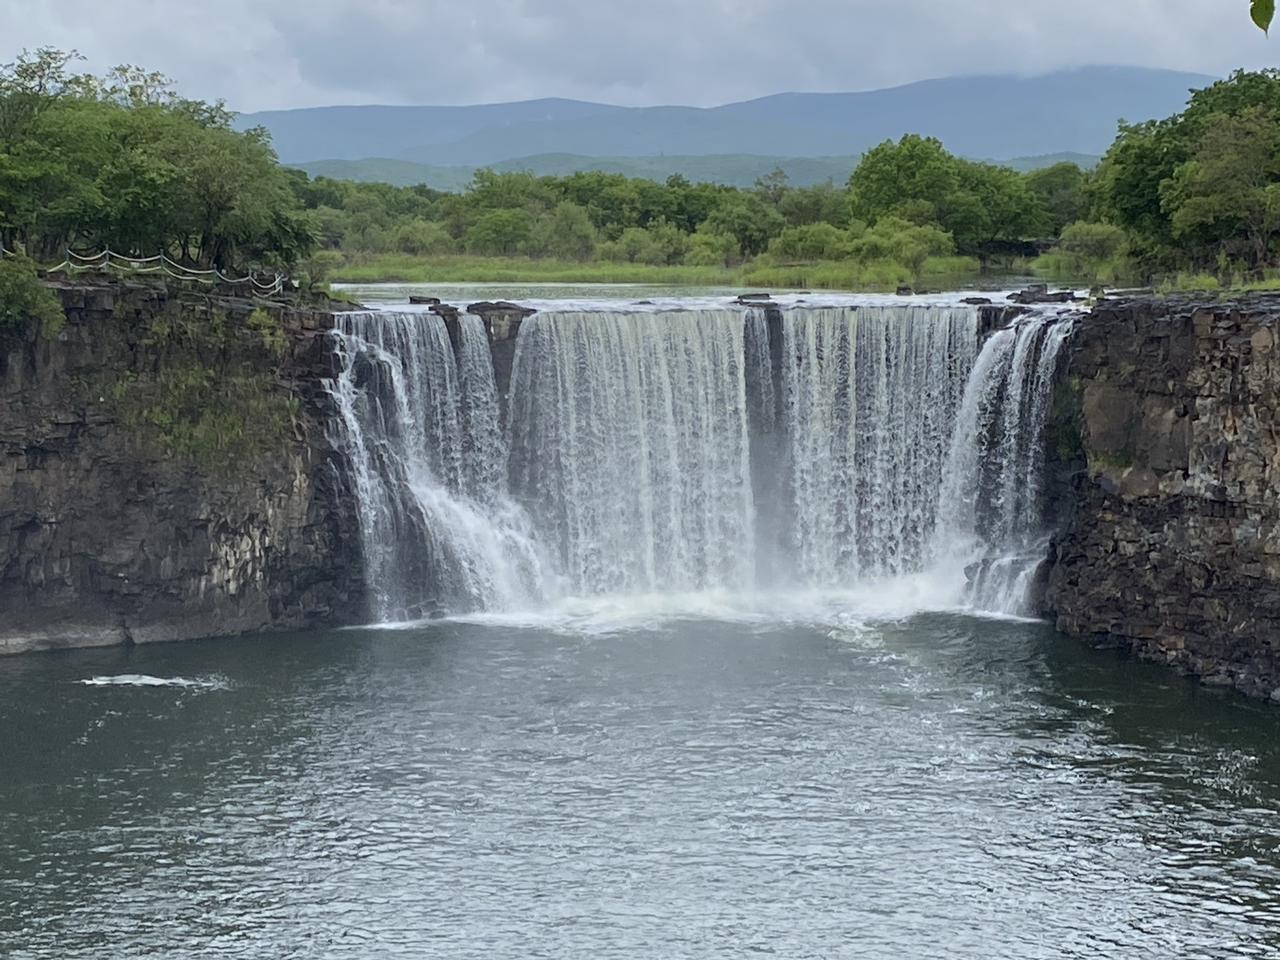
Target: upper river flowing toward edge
939, 786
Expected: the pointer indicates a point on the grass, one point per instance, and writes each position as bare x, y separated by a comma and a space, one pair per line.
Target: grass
1118, 271
843, 275
1189, 282
850, 275
206, 392
401, 268
1059, 265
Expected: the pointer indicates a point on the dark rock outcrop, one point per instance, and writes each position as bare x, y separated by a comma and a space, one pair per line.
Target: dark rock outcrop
129, 513
502, 321
1039, 293
1173, 546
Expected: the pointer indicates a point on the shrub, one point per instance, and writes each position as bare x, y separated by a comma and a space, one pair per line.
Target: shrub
902, 242
1093, 241
422, 237
710, 249
24, 298
815, 241
269, 329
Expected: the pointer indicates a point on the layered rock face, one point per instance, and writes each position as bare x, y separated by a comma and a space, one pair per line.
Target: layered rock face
166, 473
1173, 546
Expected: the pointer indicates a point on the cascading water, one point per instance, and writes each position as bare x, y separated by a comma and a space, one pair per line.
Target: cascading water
698, 449
421, 430
629, 447
993, 496
870, 395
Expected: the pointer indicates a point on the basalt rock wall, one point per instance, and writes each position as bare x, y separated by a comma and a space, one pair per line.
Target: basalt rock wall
1172, 548
166, 472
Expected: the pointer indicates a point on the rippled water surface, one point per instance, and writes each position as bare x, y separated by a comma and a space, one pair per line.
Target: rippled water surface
935, 787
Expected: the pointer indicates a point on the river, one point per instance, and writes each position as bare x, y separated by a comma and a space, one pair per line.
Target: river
628, 784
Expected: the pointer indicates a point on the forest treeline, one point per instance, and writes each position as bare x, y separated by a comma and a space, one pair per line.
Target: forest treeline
124, 162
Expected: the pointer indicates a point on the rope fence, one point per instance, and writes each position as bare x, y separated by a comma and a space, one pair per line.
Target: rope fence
160, 263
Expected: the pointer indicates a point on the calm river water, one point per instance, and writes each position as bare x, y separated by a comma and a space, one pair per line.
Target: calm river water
937, 787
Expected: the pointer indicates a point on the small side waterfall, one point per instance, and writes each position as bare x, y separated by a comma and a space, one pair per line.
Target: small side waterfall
421, 429
674, 451
992, 499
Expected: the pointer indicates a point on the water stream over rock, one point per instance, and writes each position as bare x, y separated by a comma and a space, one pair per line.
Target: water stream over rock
678, 450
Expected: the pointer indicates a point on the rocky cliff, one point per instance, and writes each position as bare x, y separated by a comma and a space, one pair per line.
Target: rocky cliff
166, 473
1173, 546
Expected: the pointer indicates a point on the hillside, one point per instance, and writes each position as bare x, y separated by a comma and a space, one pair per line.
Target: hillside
1071, 111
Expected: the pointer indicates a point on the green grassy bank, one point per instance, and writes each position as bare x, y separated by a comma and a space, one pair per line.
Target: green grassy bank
832, 275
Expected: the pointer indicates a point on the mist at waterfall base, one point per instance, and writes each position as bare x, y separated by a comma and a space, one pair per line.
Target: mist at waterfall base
700, 459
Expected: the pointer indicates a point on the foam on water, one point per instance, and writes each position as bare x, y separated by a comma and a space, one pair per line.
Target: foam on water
143, 680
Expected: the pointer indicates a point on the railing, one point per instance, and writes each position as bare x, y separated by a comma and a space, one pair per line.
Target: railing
160, 263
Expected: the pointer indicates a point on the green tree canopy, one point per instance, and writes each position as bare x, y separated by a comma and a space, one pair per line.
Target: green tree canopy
123, 162
1144, 180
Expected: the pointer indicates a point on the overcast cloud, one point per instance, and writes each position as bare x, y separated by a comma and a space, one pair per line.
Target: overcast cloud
262, 54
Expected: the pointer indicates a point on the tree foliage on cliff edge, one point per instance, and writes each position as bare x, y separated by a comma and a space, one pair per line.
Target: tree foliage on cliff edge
124, 162
23, 298
1201, 189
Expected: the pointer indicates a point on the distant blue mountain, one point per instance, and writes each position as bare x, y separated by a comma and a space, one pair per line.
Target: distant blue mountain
1071, 111
353, 133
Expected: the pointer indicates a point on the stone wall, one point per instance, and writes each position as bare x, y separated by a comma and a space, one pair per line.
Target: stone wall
120, 523
1173, 546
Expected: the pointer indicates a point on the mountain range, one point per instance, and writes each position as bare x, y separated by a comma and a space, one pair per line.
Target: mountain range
985, 117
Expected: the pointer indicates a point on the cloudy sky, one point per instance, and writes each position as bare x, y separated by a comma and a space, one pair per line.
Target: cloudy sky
261, 54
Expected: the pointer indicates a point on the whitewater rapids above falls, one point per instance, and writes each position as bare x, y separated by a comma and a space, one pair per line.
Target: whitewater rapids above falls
693, 447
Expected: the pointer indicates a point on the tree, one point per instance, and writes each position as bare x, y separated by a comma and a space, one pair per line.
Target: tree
772, 187
567, 234
915, 171
420, 237
823, 203
1228, 193
123, 162
918, 181
1135, 187
707, 248
23, 297
1093, 241
909, 244
1059, 191
814, 241
748, 220
500, 233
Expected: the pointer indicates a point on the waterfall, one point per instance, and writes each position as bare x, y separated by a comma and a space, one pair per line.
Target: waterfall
681, 450
420, 427
992, 500
870, 396
629, 447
